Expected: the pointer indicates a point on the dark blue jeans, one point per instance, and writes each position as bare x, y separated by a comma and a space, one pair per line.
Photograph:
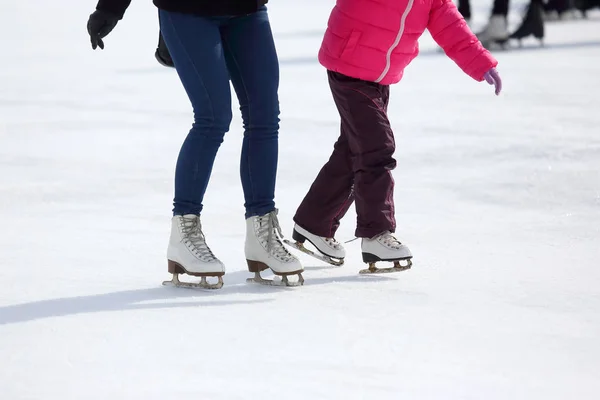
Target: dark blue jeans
207, 53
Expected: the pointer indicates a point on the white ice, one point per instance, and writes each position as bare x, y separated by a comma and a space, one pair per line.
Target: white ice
497, 197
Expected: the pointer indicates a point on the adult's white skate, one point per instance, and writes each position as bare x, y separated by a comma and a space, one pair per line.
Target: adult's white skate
495, 33
189, 254
330, 250
265, 250
385, 247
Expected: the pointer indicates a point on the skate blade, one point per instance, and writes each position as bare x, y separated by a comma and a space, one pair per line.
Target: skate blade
336, 262
396, 268
203, 284
284, 282
497, 44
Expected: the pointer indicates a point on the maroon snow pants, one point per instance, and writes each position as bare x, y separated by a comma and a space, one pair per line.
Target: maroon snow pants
359, 169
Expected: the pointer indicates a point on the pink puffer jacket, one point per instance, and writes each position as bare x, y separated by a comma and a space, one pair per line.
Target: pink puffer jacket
375, 40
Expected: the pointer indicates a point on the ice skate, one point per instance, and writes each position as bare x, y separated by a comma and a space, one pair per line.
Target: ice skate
533, 24
559, 10
265, 250
189, 254
585, 5
329, 250
495, 33
385, 247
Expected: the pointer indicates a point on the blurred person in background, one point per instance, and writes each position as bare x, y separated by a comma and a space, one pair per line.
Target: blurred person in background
496, 31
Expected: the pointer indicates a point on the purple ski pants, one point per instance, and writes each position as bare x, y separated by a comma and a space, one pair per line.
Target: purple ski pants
359, 169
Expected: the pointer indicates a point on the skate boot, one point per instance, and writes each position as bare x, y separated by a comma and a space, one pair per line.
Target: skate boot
189, 254
585, 5
385, 247
162, 54
495, 32
331, 251
558, 10
533, 23
265, 250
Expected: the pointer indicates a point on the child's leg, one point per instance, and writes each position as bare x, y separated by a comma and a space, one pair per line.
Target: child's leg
331, 193
363, 109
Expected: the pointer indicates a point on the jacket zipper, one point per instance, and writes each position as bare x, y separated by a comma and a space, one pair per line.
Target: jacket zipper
388, 57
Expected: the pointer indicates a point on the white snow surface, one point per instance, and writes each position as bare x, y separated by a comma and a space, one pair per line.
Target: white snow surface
497, 197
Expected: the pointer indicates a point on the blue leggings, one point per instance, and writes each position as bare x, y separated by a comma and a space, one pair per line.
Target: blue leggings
207, 53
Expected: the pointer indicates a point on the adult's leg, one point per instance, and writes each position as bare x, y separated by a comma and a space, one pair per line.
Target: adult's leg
533, 22
196, 48
496, 30
500, 7
464, 8
254, 69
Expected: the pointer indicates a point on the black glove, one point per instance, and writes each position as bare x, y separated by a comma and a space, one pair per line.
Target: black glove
99, 25
162, 53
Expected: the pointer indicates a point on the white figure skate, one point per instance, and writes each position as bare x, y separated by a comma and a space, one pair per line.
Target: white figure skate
385, 247
265, 250
495, 33
189, 254
330, 250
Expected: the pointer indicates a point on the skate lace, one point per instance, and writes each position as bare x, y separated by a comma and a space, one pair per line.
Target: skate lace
389, 240
333, 243
193, 238
269, 233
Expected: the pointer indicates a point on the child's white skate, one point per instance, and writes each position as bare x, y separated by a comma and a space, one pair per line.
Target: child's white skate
385, 247
265, 250
330, 250
189, 254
